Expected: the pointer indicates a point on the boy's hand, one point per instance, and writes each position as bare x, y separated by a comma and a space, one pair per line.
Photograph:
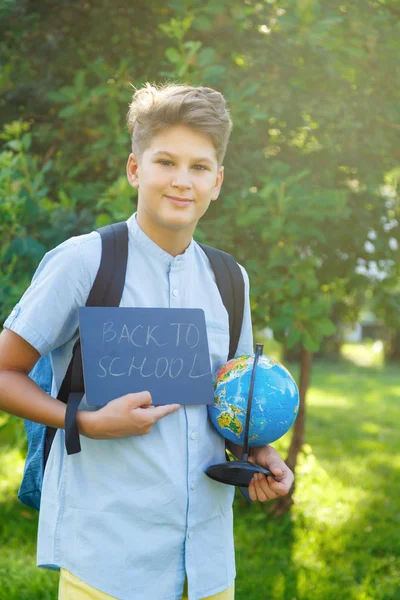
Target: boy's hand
132, 414
264, 488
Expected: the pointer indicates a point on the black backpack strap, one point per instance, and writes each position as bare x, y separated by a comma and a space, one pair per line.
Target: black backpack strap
106, 291
229, 278
110, 279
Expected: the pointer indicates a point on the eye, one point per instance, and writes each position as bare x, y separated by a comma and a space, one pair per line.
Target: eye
167, 163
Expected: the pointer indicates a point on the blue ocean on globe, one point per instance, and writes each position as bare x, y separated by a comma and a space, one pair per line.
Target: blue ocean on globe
275, 401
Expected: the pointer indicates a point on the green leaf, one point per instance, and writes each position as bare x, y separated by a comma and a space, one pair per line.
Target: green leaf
325, 326
26, 141
293, 337
15, 145
258, 114
103, 219
27, 246
173, 56
79, 80
206, 56
68, 111
192, 47
309, 342
251, 89
202, 23
213, 73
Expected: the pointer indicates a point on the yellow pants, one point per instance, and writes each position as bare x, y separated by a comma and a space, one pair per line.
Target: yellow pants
72, 588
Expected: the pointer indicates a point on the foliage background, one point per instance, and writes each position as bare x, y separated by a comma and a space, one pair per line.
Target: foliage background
310, 202
312, 169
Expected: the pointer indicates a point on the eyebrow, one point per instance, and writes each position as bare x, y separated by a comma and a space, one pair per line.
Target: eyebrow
204, 159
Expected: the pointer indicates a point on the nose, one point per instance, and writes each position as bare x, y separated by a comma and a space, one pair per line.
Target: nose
182, 179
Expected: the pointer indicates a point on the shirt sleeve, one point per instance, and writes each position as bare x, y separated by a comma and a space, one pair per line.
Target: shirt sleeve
245, 345
47, 314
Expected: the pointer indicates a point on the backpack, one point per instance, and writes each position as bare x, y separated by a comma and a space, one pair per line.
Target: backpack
107, 291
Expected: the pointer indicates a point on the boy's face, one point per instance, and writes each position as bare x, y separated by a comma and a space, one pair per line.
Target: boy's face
180, 163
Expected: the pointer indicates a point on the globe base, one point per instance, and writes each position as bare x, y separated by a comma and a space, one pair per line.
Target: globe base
237, 472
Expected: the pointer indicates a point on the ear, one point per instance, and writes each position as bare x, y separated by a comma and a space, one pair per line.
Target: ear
132, 170
218, 184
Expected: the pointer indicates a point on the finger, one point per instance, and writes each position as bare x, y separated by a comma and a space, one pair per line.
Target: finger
261, 496
263, 490
159, 412
252, 491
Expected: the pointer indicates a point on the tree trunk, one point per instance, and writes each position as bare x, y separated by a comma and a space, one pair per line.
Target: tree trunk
394, 345
282, 505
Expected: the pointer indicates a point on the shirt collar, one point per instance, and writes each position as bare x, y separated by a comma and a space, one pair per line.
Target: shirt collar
141, 239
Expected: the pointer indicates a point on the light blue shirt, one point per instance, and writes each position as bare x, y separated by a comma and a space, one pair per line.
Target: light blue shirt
131, 517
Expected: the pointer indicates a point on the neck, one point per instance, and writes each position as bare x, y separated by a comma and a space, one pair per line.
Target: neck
173, 241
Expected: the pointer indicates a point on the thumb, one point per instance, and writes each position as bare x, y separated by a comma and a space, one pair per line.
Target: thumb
275, 470
139, 399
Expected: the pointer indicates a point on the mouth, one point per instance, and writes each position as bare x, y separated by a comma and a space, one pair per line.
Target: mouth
179, 201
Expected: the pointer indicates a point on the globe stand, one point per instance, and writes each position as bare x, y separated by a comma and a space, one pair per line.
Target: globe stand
240, 472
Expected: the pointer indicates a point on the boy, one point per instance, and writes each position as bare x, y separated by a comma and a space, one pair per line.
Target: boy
132, 516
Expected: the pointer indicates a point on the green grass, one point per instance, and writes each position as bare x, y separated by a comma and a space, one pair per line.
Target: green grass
342, 537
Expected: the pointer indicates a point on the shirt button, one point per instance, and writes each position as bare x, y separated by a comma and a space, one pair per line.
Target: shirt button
193, 435
190, 535
175, 293
192, 485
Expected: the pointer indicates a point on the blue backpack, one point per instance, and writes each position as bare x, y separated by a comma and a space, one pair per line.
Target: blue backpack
107, 291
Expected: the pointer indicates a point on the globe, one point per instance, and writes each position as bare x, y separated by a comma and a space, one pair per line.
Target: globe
274, 406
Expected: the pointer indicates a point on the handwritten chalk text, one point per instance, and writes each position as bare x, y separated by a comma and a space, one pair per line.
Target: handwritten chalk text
142, 336
170, 368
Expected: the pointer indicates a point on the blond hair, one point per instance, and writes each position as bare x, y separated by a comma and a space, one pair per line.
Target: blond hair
154, 108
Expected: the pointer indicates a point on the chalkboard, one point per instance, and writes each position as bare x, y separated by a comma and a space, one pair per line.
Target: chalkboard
162, 350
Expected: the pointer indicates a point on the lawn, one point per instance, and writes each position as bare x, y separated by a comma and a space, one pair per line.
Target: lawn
342, 537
